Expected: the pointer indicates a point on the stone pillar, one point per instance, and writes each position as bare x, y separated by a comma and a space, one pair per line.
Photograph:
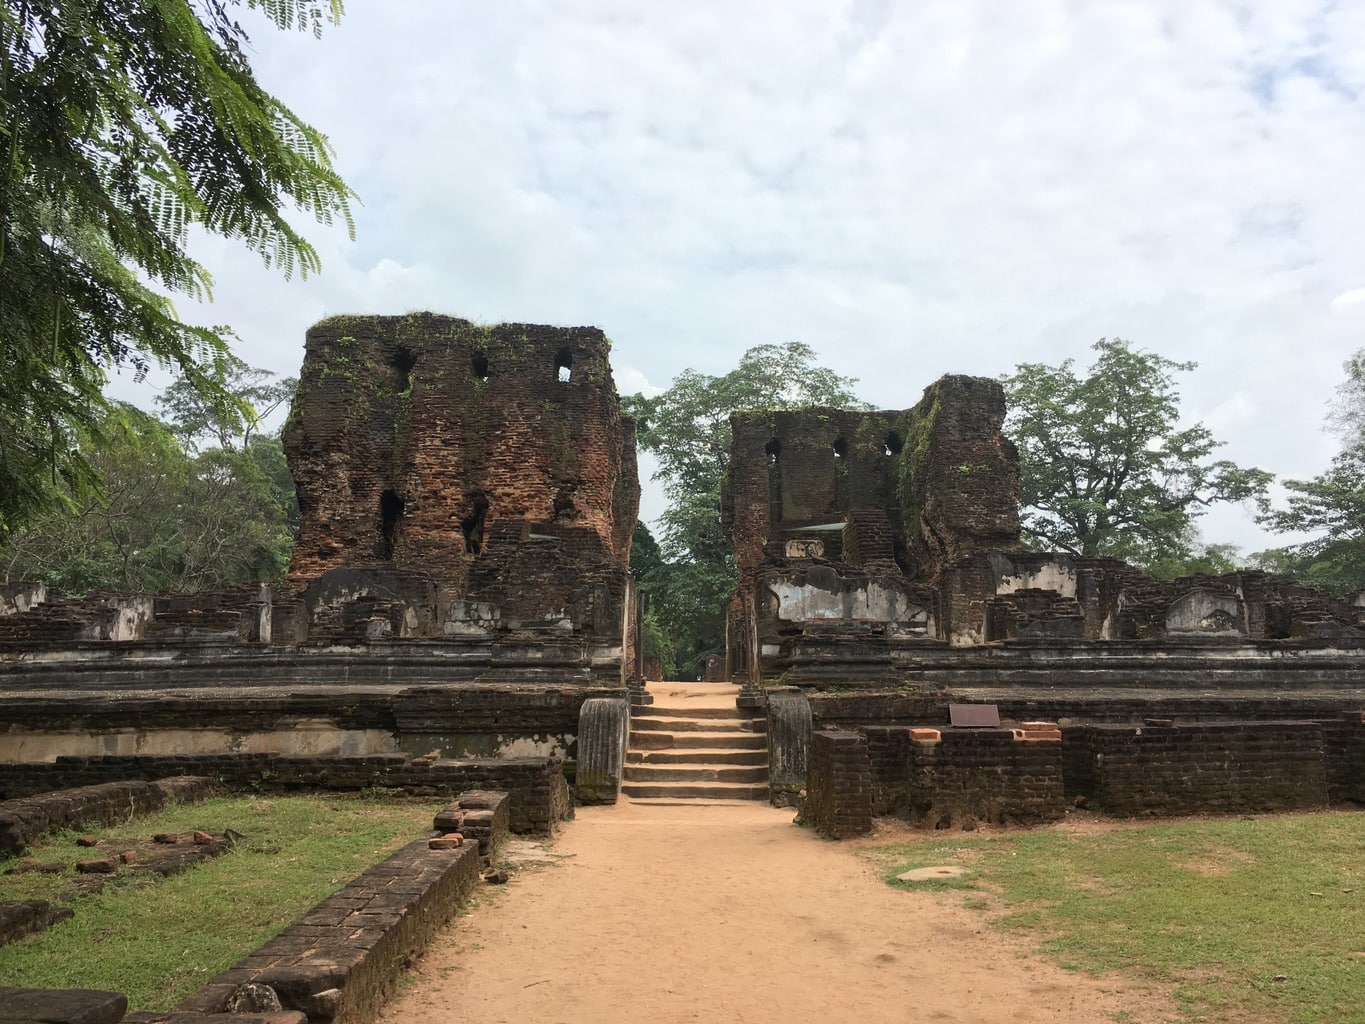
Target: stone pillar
789, 725
635, 681
603, 726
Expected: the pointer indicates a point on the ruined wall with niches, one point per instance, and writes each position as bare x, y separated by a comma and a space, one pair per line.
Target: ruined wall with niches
806, 467
959, 476
411, 437
1195, 768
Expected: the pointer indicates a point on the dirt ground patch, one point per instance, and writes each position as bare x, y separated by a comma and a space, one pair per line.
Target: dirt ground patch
732, 913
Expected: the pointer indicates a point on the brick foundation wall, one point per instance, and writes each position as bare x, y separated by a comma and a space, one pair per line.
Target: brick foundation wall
539, 793
838, 800
889, 752
1351, 775
1219, 767
964, 777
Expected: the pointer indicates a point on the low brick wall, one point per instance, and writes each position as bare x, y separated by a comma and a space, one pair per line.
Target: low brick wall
838, 799
339, 961
26, 818
1343, 746
480, 816
1194, 768
539, 793
959, 778
888, 751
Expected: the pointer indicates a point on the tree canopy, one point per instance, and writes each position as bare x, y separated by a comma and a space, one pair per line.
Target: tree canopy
1331, 505
1105, 468
688, 429
123, 123
166, 519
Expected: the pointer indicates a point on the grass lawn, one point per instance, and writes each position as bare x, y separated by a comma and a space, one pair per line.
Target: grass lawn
158, 939
1262, 916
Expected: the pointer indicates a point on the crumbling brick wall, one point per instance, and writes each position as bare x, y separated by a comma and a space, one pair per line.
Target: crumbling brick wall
959, 476
536, 785
963, 777
412, 436
1193, 768
793, 469
838, 801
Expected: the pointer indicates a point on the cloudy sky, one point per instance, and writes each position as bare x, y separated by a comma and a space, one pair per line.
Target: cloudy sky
911, 188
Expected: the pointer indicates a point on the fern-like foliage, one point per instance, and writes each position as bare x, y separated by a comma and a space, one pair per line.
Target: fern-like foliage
123, 123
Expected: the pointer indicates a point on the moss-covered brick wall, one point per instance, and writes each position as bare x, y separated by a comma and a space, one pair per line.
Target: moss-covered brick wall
413, 436
958, 475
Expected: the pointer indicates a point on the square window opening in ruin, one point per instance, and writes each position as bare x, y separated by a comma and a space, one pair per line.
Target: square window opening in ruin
403, 360
564, 365
774, 449
893, 444
390, 512
479, 364
840, 448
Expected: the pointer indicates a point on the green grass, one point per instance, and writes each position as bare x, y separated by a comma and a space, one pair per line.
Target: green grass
1263, 916
159, 940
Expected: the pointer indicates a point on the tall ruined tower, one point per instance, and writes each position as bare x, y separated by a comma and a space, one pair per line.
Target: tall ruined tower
490, 463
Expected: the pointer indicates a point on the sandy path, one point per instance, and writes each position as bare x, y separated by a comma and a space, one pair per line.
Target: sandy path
732, 913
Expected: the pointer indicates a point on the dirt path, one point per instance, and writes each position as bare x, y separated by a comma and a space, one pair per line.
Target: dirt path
732, 913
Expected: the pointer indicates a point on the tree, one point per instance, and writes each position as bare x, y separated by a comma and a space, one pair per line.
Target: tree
1332, 504
1200, 558
258, 393
165, 520
650, 570
122, 124
1104, 469
688, 429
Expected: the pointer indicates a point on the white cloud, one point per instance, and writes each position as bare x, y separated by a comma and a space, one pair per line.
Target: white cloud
912, 189
1352, 298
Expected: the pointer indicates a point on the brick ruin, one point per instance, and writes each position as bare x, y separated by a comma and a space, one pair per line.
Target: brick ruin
465, 483
862, 538
882, 581
460, 583
460, 590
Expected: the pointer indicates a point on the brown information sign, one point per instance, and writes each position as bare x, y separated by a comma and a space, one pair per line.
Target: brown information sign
974, 714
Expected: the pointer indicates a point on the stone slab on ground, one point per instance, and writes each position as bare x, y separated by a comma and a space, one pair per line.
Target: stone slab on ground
61, 1006
283, 1017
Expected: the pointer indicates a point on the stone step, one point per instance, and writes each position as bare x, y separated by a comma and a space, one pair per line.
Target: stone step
694, 740
651, 773
698, 755
650, 723
682, 711
690, 802
695, 790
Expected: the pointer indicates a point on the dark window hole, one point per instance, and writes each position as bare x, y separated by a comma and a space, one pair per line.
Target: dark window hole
403, 360
480, 365
774, 449
472, 526
893, 443
390, 512
564, 364
840, 448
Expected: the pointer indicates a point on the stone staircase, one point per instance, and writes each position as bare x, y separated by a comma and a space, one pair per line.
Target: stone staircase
693, 743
